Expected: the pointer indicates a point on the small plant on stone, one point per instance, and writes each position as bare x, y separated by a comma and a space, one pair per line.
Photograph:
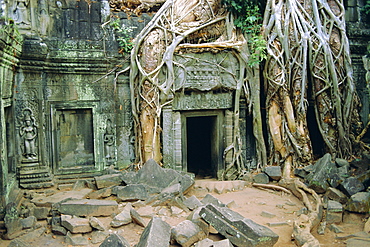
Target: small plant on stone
123, 35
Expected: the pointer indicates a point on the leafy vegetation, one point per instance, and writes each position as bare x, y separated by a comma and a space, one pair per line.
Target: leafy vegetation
366, 7
248, 17
123, 35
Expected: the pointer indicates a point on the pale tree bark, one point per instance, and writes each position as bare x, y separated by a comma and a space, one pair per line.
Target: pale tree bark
307, 45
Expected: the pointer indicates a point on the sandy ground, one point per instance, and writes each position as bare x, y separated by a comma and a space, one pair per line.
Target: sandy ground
249, 202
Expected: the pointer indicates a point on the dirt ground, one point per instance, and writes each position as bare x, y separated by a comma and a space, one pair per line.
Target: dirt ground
263, 206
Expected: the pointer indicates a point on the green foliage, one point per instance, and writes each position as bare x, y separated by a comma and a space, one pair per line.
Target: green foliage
366, 7
248, 17
123, 35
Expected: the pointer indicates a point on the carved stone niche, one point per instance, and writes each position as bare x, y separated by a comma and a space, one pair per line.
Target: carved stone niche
75, 138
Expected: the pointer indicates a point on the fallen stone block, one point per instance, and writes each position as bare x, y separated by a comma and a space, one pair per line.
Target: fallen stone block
76, 240
155, 176
99, 194
357, 242
122, 218
272, 224
210, 243
18, 243
96, 224
48, 201
359, 203
40, 213
336, 195
132, 192
267, 214
351, 186
98, 236
156, 234
28, 222
170, 196
239, 230
336, 229
76, 224
88, 207
261, 178
108, 180
274, 172
115, 240
137, 218
186, 233
210, 199
317, 179
58, 230
334, 212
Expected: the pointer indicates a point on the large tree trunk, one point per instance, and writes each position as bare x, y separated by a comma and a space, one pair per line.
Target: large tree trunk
307, 43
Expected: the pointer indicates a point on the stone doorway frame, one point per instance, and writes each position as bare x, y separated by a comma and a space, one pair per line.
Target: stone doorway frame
54, 107
217, 139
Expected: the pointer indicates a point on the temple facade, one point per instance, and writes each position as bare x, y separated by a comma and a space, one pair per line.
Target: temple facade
66, 109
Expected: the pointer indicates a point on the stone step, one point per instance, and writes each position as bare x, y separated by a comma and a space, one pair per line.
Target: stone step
220, 187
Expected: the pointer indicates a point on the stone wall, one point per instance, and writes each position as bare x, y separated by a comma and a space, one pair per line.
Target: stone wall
358, 31
10, 50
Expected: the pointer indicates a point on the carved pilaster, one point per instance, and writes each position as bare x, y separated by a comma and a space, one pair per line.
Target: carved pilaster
167, 136
31, 173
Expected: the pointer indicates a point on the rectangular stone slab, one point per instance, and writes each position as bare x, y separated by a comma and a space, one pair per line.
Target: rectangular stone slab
239, 230
87, 207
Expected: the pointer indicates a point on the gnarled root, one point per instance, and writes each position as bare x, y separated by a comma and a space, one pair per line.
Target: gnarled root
303, 226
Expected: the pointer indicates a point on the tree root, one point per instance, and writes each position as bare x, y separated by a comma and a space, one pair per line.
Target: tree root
303, 226
270, 186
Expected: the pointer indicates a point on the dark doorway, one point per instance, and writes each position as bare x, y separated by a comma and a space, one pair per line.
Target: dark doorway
201, 134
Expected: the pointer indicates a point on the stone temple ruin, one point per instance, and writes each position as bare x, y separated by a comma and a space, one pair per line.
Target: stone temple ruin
66, 114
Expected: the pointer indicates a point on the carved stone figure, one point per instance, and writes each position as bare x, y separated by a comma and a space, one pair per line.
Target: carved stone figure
28, 133
109, 140
21, 12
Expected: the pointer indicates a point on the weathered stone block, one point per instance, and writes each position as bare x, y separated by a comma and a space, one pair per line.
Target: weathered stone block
137, 218
28, 222
213, 200
341, 162
99, 194
40, 213
351, 186
274, 172
317, 179
192, 202
76, 240
261, 178
58, 230
98, 236
89, 207
359, 203
122, 218
96, 224
155, 176
239, 230
186, 233
300, 172
156, 234
115, 240
132, 192
334, 213
210, 243
336, 195
76, 224
108, 180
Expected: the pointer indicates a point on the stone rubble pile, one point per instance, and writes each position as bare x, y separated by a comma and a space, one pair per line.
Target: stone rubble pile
127, 197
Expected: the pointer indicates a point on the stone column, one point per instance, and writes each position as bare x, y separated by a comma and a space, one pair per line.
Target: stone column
167, 136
